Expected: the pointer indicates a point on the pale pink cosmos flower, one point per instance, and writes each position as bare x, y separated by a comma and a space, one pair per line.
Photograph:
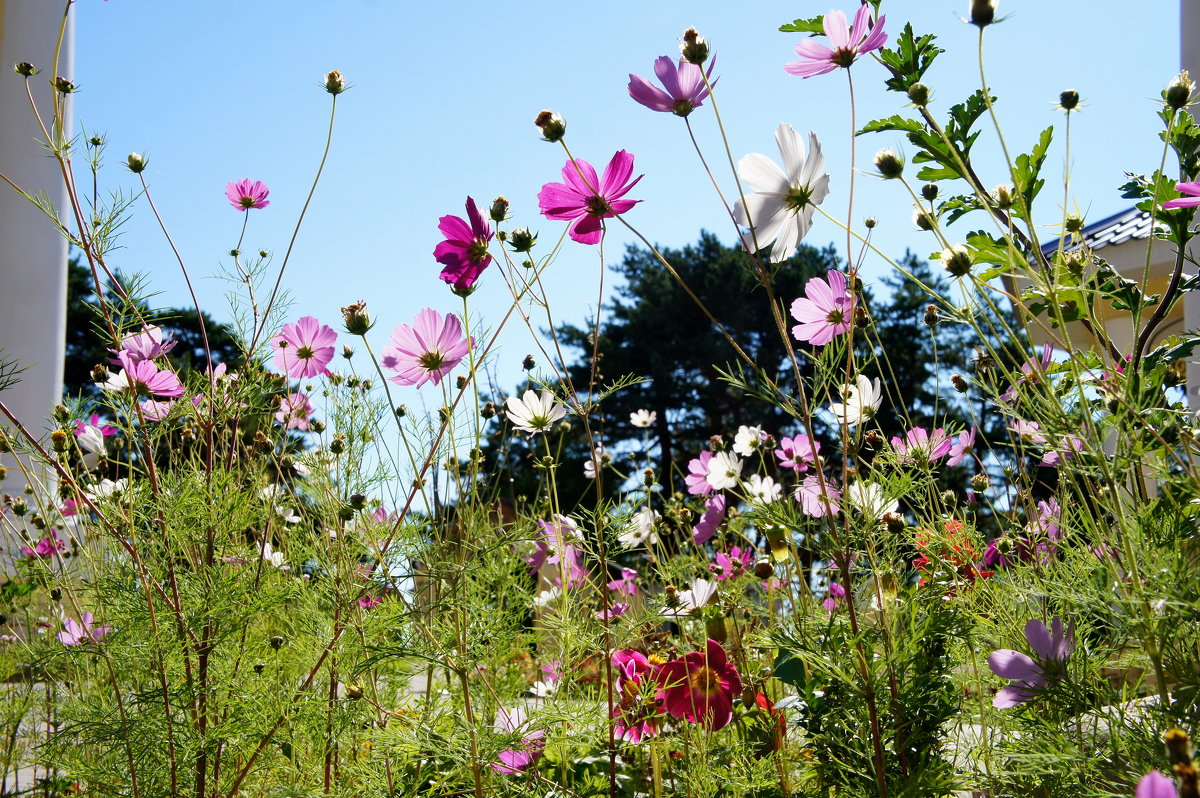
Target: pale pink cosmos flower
684, 84
146, 345
245, 194
153, 410
427, 350
710, 521
464, 253
817, 499
825, 311
584, 198
627, 584
922, 447
1184, 202
294, 411
797, 453
304, 348
962, 448
847, 43
75, 633
697, 476
1070, 447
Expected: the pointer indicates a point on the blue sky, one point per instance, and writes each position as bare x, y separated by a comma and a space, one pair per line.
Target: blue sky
444, 99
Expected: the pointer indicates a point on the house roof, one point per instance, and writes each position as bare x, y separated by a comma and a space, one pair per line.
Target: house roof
1115, 229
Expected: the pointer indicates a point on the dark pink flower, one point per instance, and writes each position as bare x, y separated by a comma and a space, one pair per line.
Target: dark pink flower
699, 687
636, 715
368, 601
797, 453
294, 411
1184, 202
75, 633
1030, 677
304, 348
684, 84
846, 43
427, 350
513, 760
836, 597
46, 546
245, 194
584, 199
733, 564
1155, 784
697, 476
714, 514
922, 447
825, 311
613, 612
143, 378
464, 253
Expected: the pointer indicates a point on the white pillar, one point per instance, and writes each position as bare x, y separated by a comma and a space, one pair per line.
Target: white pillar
33, 256
1189, 59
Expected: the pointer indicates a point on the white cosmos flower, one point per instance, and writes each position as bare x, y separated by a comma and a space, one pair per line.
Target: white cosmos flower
596, 462
723, 471
548, 595
269, 555
90, 438
762, 489
640, 531
106, 487
748, 440
643, 418
696, 598
534, 412
869, 499
862, 401
781, 210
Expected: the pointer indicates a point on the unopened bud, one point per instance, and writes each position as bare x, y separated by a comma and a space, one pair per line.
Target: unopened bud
889, 164
552, 126
922, 219
354, 691
648, 477
401, 411
956, 260
672, 594
25, 69
870, 222
1003, 195
1179, 747
499, 210
460, 381
764, 569
527, 362
356, 318
861, 317
445, 414
347, 352
61, 414
983, 12
981, 482
136, 162
338, 444
959, 383
56, 594
60, 440
335, 84
694, 47
62, 85
358, 501
564, 427
276, 642
1068, 100
918, 94
932, 317
1179, 93
521, 240
488, 410
873, 439
1073, 224
317, 425
929, 191
19, 506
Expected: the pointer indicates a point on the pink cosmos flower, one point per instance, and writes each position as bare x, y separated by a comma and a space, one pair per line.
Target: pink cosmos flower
156, 411
962, 448
427, 350
847, 44
529, 750
699, 687
143, 378
684, 84
369, 602
797, 453
45, 547
613, 612
733, 564
146, 345
245, 194
304, 348
1184, 202
554, 539
714, 514
294, 411
627, 584
636, 715
814, 500
1155, 784
825, 311
1029, 677
464, 253
922, 447
836, 597
697, 476
1031, 373
75, 633
585, 199
1070, 447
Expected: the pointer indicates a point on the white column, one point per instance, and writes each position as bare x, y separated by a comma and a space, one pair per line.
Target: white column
33, 256
1189, 59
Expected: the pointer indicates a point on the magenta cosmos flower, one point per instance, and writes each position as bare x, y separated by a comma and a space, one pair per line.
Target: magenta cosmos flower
684, 86
1029, 677
700, 687
512, 761
922, 447
825, 311
1184, 202
710, 521
1155, 785
75, 633
245, 194
427, 350
847, 43
143, 378
464, 253
636, 716
584, 199
304, 348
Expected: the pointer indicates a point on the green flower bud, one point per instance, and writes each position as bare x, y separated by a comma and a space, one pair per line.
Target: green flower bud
552, 126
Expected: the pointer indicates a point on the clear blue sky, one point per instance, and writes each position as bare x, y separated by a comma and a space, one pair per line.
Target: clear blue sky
444, 98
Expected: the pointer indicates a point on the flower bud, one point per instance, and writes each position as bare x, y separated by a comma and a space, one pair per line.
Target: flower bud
1003, 196
716, 630
918, 94
959, 383
356, 318
932, 317
136, 162
61, 414
956, 260
889, 164
552, 126
694, 47
929, 191
345, 513
259, 667
983, 12
445, 414
870, 222
100, 373
3, 472
488, 410
564, 427
873, 439
764, 570
317, 425
401, 411
893, 523
861, 317
521, 240
921, 218
347, 352
1179, 748
499, 210
60, 440
63, 86
1179, 92
460, 381
527, 362
25, 69
276, 642
981, 482
1068, 100
338, 444
353, 691
358, 501
335, 84
19, 506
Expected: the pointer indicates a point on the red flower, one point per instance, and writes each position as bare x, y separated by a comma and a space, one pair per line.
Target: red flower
700, 687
